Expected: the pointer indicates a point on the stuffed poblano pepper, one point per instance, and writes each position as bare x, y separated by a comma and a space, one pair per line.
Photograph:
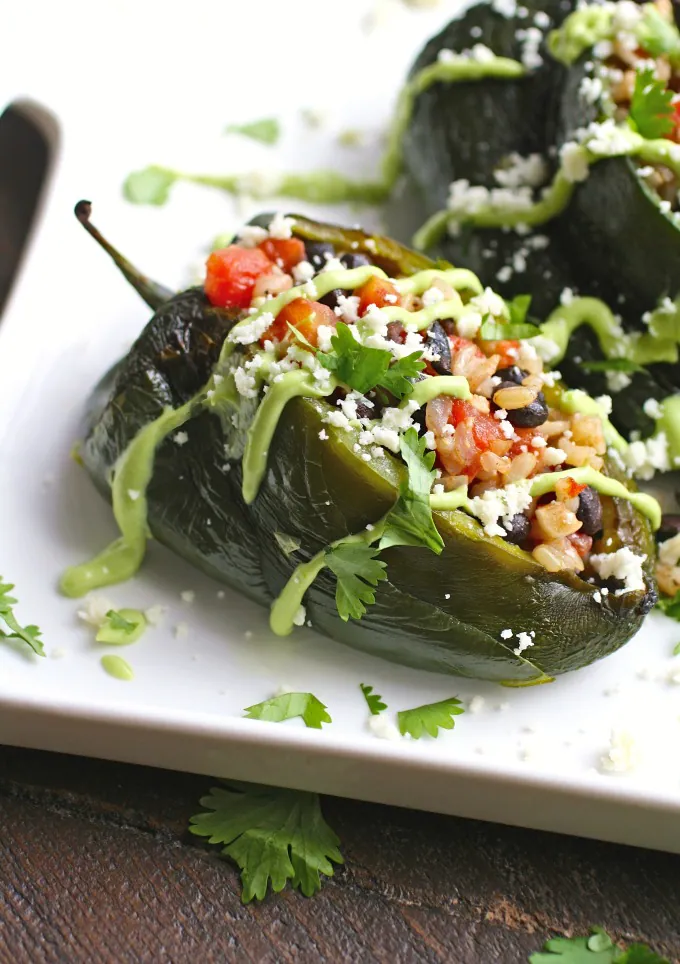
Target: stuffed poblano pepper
560, 173
368, 443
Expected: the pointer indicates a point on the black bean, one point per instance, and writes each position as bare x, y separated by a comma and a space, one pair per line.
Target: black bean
589, 512
531, 415
438, 341
518, 530
514, 374
670, 526
331, 299
365, 411
354, 259
318, 252
395, 330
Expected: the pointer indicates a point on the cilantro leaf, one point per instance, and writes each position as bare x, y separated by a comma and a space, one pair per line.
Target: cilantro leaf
119, 622
613, 365
273, 835
364, 368
373, 700
519, 309
596, 949
429, 718
396, 378
358, 572
651, 110
27, 634
657, 35
492, 330
289, 706
410, 522
150, 186
670, 606
266, 131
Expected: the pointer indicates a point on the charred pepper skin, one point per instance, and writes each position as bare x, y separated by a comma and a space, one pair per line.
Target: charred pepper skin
320, 491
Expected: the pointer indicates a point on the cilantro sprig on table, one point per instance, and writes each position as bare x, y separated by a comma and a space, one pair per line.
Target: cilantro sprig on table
363, 369
266, 131
651, 108
373, 700
273, 835
358, 572
429, 718
598, 948
13, 629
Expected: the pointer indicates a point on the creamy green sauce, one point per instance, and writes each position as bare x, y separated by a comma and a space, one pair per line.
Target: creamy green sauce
429, 388
112, 636
555, 197
576, 401
117, 667
461, 279
296, 384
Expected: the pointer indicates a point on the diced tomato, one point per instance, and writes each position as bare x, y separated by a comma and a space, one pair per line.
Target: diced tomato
573, 488
231, 275
457, 343
379, 292
303, 315
674, 134
581, 542
286, 252
506, 348
484, 429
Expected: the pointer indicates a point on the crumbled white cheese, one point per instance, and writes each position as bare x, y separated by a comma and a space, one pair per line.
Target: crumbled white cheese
530, 171
188, 596
432, 296
538, 442
94, 610
430, 441
652, 408
245, 383
524, 642
299, 617
303, 271
476, 704
180, 438
669, 551
323, 435
337, 419
591, 90
646, 458
380, 725
469, 324
623, 754
546, 348
504, 274
553, 456
507, 634
281, 227
624, 565
467, 199
251, 235
617, 381
181, 630
567, 296
348, 308
246, 333
496, 506
489, 303
574, 161
531, 39
605, 403
154, 614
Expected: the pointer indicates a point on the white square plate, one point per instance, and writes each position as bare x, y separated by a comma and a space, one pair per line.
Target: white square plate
125, 84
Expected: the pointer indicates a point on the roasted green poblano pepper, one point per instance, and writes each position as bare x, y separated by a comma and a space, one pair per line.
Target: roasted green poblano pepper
478, 605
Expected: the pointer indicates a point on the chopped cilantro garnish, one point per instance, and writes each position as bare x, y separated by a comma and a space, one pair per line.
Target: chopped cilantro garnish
273, 835
288, 707
27, 634
358, 572
429, 718
613, 365
364, 368
266, 131
651, 109
373, 700
121, 628
670, 605
410, 521
657, 35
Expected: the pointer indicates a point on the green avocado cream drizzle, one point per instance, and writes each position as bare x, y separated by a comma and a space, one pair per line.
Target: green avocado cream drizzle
134, 469
594, 23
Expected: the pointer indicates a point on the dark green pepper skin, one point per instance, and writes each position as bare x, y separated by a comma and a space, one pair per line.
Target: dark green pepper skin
319, 491
463, 131
611, 242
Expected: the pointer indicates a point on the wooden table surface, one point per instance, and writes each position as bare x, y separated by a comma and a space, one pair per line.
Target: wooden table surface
96, 864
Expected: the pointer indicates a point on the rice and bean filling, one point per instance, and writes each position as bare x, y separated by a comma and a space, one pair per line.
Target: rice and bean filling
620, 61
509, 431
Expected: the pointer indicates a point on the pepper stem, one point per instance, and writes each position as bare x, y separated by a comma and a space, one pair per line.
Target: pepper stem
153, 294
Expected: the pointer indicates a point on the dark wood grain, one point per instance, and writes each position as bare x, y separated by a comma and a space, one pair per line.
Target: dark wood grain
96, 865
